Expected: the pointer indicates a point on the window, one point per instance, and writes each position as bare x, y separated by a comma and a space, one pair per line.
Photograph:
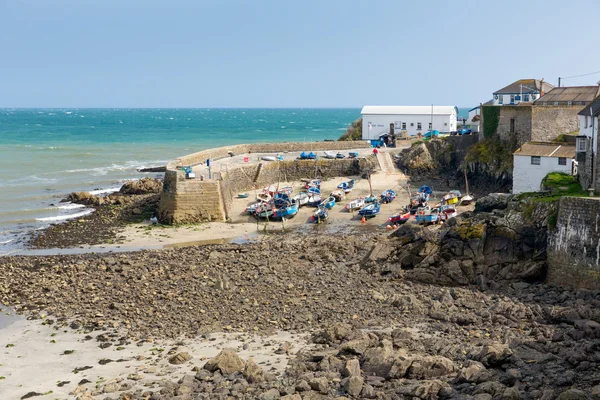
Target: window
581, 144
430, 126
512, 125
419, 126
512, 99
562, 160
525, 97
569, 103
586, 122
404, 126
501, 99
536, 160
555, 103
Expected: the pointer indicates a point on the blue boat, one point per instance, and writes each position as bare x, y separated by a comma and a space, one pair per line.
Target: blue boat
328, 202
353, 154
340, 156
314, 190
370, 199
370, 210
281, 199
308, 156
266, 210
346, 186
388, 196
320, 215
288, 211
427, 215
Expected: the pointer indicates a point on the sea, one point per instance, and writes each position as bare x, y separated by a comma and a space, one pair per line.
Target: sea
45, 154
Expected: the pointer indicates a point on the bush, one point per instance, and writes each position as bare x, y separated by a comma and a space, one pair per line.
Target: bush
354, 131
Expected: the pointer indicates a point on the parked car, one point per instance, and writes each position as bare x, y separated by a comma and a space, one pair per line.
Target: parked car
465, 131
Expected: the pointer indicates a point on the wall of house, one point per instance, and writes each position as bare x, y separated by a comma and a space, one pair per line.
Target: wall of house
547, 122
574, 246
522, 117
528, 177
381, 124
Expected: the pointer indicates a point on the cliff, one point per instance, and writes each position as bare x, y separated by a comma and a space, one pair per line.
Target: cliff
354, 131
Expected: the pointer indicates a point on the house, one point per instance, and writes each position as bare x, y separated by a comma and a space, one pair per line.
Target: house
569, 96
521, 91
534, 160
407, 120
587, 145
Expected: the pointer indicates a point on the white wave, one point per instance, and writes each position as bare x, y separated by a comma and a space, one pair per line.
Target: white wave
66, 217
70, 206
105, 191
68, 112
7, 241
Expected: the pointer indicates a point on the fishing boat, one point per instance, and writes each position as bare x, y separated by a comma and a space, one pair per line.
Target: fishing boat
320, 215
279, 157
251, 209
450, 198
308, 156
264, 197
272, 189
314, 190
281, 199
448, 211
328, 202
243, 195
268, 158
301, 198
370, 198
400, 218
266, 210
340, 156
388, 196
346, 186
329, 155
370, 210
355, 205
352, 154
338, 195
427, 215
314, 199
287, 211
286, 190
466, 199
425, 192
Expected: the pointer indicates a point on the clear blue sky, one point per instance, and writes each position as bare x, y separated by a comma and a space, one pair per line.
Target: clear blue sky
276, 53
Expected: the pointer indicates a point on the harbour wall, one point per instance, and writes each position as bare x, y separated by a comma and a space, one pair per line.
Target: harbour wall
574, 245
185, 201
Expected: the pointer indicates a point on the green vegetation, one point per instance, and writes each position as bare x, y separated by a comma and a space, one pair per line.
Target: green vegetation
494, 152
10, 345
468, 231
562, 138
562, 183
354, 131
491, 117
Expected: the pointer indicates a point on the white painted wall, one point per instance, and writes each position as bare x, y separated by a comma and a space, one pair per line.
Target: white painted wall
528, 177
506, 98
589, 128
381, 124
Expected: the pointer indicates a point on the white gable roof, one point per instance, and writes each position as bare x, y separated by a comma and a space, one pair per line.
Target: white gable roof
408, 110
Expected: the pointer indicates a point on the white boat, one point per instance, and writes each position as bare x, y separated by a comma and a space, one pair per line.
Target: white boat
268, 158
329, 154
466, 200
356, 204
264, 197
301, 198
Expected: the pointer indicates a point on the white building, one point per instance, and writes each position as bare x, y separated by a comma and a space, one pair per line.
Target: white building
521, 91
407, 119
534, 160
588, 124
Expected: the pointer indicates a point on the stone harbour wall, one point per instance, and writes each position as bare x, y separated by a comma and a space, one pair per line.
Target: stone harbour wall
574, 245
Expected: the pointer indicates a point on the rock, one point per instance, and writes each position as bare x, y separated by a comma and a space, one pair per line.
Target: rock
511, 394
430, 367
353, 385
142, 186
482, 396
471, 372
271, 394
111, 387
494, 354
294, 396
368, 392
302, 386
320, 384
423, 390
180, 358
253, 373
596, 392
352, 368
82, 198
573, 394
511, 376
494, 201
227, 362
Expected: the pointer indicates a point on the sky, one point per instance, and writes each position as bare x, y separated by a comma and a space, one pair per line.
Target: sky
275, 53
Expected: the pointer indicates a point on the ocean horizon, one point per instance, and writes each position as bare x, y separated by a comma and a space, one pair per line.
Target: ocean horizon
47, 153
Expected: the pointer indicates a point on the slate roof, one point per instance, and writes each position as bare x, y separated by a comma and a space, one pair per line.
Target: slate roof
575, 94
594, 106
546, 150
528, 84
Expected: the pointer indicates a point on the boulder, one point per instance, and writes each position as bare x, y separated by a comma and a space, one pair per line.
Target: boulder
573, 394
471, 372
494, 354
142, 186
253, 373
82, 198
227, 362
353, 385
352, 368
494, 201
430, 367
271, 394
180, 358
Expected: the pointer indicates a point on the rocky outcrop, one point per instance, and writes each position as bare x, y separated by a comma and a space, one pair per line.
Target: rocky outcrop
142, 186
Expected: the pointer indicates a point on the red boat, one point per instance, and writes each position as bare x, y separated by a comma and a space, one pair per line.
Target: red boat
400, 218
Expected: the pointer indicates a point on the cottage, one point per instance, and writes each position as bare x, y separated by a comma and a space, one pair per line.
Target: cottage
407, 120
521, 91
534, 160
569, 96
587, 145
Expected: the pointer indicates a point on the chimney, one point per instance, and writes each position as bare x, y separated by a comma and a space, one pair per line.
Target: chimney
542, 87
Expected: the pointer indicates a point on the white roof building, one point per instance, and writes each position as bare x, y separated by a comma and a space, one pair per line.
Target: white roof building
409, 120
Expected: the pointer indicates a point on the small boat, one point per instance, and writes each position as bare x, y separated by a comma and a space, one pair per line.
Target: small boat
320, 215
288, 211
466, 200
388, 196
400, 218
314, 200
328, 202
346, 186
370, 199
448, 211
270, 190
268, 158
243, 195
286, 190
370, 210
308, 156
264, 197
264, 211
355, 205
281, 199
301, 198
450, 198
329, 155
279, 157
313, 183
338, 195
427, 215
251, 209
352, 154
340, 156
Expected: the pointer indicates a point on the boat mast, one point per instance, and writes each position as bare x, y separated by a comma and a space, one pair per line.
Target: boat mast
466, 181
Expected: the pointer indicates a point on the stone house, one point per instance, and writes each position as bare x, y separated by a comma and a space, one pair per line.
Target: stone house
534, 160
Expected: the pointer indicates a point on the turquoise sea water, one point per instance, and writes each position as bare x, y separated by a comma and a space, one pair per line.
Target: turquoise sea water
48, 153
